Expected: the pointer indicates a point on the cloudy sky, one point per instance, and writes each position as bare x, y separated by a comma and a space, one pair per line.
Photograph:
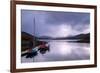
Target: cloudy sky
54, 24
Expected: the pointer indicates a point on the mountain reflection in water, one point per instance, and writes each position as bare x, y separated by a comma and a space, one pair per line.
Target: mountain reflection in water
61, 50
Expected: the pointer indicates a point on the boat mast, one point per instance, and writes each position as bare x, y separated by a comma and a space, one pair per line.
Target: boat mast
34, 32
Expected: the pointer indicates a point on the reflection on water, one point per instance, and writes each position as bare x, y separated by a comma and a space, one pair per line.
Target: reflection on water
61, 51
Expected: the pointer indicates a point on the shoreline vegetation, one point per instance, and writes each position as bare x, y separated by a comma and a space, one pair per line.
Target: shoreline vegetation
27, 39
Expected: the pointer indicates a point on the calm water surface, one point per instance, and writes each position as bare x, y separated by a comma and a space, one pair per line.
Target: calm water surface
62, 50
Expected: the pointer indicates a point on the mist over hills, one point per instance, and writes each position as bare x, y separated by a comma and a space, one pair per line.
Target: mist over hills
79, 37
